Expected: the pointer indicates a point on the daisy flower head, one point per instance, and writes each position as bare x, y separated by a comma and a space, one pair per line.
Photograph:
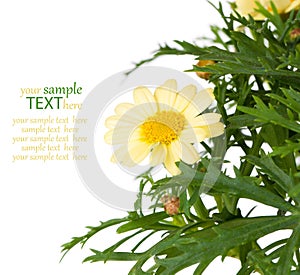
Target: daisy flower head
164, 125
245, 7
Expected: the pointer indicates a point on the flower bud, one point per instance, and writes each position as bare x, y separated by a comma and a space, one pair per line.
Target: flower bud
171, 204
295, 33
203, 63
245, 7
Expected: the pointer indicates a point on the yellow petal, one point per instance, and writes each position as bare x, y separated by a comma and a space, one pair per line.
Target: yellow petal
280, 5
214, 130
158, 154
170, 160
248, 7
189, 153
200, 102
294, 5
193, 135
135, 115
189, 92
146, 101
127, 114
175, 146
111, 121
172, 168
122, 156
117, 136
165, 98
245, 7
188, 134
138, 151
170, 84
142, 95
205, 119
136, 135
122, 108
184, 97
113, 159
108, 136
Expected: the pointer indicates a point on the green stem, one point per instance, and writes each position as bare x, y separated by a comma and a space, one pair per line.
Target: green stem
298, 257
199, 206
290, 163
219, 202
239, 138
246, 167
230, 203
179, 220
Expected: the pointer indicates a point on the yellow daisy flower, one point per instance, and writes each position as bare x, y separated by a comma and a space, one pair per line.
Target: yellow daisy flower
164, 125
245, 7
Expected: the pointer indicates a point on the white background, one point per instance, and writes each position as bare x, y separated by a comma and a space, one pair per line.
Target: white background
56, 43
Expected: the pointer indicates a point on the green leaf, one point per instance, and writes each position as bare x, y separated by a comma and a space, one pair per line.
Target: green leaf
290, 147
92, 231
189, 48
252, 58
269, 115
112, 248
262, 259
240, 68
261, 262
142, 222
292, 100
286, 255
239, 121
273, 16
246, 188
243, 187
295, 191
248, 46
205, 245
275, 173
115, 256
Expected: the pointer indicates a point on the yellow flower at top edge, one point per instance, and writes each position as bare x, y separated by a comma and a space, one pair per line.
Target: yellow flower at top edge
245, 7
164, 125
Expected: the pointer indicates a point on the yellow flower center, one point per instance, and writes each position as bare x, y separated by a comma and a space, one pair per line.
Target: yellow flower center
163, 127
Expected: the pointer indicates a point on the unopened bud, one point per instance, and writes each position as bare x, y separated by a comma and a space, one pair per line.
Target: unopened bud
171, 204
295, 33
203, 63
203, 170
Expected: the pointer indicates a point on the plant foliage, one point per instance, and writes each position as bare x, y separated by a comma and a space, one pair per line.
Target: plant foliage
257, 88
